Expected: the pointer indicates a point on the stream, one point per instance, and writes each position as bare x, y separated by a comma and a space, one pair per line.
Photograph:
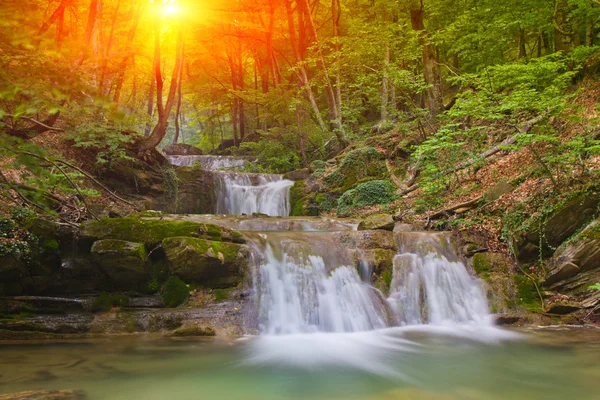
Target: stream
320, 328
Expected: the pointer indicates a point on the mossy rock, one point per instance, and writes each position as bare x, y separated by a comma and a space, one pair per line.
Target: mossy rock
378, 192
106, 301
490, 262
153, 230
42, 227
377, 221
174, 292
307, 206
357, 164
194, 331
296, 194
206, 263
122, 261
527, 295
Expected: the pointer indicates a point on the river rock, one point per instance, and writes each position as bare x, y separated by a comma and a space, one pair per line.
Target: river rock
122, 261
560, 225
367, 240
152, 230
498, 191
207, 263
562, 308
576, 265
181, 149
46, 395
377, 221
11, 270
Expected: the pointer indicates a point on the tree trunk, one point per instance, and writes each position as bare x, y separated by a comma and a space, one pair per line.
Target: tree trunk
431, 68
164, 110
125, 61
385, 91
302, 73
54, 17
108, 47
179, 98
335, 117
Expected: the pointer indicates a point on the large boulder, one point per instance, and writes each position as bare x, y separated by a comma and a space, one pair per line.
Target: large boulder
12, 269
559, 225
152, 230
377, 221
207, 263
576, 265
181, 149
123, 262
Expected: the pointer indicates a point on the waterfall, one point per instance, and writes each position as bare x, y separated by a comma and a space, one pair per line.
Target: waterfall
434, 290
242, 193
300, 290
239, 194
298, 295
211, 163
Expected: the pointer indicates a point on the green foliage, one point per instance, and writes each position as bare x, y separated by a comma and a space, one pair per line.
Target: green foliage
595, 286
8, 228
366, 194
106, 301
271, 156
108, 144
174, 292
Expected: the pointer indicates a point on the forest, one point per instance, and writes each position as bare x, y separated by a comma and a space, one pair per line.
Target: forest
187, 167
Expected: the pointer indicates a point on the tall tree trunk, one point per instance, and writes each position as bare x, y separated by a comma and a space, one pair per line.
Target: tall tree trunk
179, 97
150, 106
302, 73
163, 110
108, 47
241, 84
431, 68
336, 15
335, 117
123, 66
522, 48
56, 15
385, 90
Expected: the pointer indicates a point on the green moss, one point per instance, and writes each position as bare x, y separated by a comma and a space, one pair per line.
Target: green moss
481, 263
149, 231
174, 292
366, 194
194, 331
307, 206
221, 294
106, 301
357, 164
527, 295
296, 193
50, 245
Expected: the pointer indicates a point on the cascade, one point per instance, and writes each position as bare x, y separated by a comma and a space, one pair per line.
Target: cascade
307, 284
240, 193
211, 163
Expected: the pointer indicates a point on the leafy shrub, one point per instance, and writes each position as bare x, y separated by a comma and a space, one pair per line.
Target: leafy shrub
7, 228
366, 194
595, 286
272, 156
174, 292
110, 144
106, 301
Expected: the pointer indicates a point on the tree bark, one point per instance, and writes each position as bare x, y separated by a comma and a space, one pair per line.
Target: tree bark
431, 68
179, 98
163, 110
335, 117
123, 66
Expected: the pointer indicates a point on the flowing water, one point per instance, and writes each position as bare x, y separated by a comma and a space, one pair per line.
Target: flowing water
240, 193
320, 329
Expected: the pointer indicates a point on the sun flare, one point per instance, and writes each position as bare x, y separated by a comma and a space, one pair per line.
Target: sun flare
170, 9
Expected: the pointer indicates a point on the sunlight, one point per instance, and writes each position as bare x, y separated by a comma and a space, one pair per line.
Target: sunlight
169, 7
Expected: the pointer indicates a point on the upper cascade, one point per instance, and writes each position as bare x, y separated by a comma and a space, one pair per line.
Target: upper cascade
240, 193
211, 163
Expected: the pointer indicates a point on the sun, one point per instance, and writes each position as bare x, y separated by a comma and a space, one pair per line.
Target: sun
170, 9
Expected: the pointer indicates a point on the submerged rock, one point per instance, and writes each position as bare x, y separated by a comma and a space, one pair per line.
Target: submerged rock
373, 239
377, 221
123, 262
193, 331
46, 395
207, 263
